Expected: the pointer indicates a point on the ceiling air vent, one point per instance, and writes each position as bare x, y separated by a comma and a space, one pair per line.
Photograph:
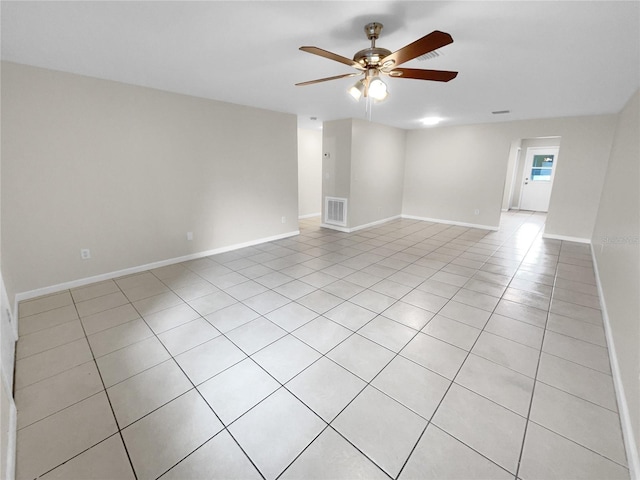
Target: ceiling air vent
430, 55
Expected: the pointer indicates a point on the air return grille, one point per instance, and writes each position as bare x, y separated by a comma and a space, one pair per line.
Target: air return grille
335, 211
429, 55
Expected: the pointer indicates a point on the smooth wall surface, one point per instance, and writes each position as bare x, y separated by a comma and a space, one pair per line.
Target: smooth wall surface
616, 245
336, 160
584, 153
309, 172
450, 172
377, 172
127, 171
453, 171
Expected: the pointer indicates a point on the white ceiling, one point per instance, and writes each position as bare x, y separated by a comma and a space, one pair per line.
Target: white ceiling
537, 59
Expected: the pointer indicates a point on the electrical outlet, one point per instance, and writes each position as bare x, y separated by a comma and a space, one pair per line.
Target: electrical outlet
85, 253
284, 219
476, 212
189, 235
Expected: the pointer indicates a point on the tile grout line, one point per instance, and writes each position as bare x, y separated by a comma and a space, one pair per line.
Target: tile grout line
322, 355
205, 319
385, 394
343, 300
107, 395
533, 391
367, 383
224, 427
560, 389
453, 381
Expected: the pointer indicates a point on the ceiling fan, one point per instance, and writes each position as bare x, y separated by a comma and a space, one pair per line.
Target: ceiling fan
374, 61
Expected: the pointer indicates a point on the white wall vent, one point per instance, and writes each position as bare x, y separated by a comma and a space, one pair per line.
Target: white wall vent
429, 55
335, 211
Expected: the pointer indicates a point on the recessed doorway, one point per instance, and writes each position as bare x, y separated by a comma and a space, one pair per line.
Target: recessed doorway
530, 173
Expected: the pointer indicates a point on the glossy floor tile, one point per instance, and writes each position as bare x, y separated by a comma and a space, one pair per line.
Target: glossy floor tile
409, 350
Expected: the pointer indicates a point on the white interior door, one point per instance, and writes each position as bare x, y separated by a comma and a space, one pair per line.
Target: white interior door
539, 171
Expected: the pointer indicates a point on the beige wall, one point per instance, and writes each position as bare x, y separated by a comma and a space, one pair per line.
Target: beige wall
452, 171
584, 152
309, 171
336, 160
364, 162
377, 172
616, 247
127, 171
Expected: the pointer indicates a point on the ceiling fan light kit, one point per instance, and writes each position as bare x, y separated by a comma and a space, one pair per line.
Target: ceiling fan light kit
378, 89
356, 90
373, 62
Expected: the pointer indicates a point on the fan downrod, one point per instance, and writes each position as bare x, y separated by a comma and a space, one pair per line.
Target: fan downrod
370, 57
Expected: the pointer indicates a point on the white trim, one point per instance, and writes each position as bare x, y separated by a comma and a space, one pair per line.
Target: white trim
373, 224
11, 441
452, 222
141, 268
15, 310
566, 238
360, 227
8, 337
4, 300
335, 227
10, 459
633, 458
309, 215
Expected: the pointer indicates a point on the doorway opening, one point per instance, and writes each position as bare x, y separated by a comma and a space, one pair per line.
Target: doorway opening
532, 168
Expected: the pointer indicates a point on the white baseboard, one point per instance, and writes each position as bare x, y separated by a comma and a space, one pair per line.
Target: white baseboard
309, 215
553, 236
335, 227
142, 268
630, 444
452, 222
359, 227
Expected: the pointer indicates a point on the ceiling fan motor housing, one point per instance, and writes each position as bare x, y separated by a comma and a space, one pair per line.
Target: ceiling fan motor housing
370, 57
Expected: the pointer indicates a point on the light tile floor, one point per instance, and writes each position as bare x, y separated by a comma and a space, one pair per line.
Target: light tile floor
408, 350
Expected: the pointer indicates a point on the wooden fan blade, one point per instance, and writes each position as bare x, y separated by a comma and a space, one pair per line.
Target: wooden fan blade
311, 82
418, 74
426, 44
332, 56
